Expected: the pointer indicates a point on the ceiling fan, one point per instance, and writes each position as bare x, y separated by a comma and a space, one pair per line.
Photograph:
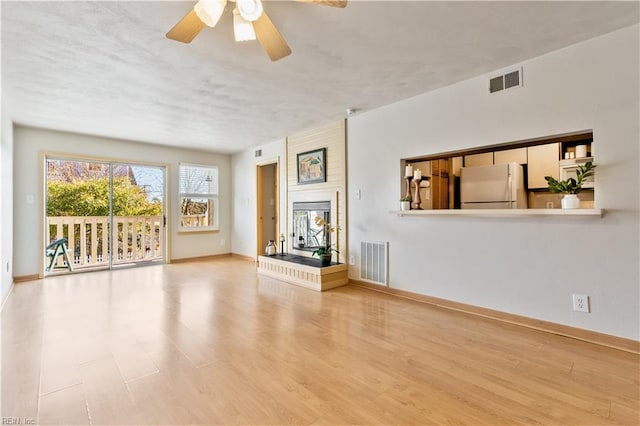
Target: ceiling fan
250, 21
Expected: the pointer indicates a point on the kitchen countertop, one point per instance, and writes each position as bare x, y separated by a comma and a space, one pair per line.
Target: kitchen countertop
501, 212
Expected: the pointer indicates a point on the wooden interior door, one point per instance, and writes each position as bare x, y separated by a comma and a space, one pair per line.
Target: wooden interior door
267, 206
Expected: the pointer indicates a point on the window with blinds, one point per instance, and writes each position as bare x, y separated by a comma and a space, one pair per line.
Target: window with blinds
198, 197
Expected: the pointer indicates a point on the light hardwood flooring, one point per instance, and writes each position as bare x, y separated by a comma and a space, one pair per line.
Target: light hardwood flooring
213, 343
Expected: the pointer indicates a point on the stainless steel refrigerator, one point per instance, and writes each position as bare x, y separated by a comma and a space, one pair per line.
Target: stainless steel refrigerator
499, 186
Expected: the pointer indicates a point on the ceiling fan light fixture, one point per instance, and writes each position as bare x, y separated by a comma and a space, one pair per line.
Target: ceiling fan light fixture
210, 11
242, 29
250, 10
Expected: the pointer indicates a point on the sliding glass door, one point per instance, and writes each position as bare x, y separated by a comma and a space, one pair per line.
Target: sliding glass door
138, 214
102, 215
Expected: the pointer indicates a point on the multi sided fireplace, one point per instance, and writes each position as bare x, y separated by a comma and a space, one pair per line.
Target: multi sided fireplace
309, 231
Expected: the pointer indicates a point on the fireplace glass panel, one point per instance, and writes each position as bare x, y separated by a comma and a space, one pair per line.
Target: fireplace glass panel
307, 234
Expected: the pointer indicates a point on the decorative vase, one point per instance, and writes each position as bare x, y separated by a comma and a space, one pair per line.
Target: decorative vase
325, 259
270, 249
570, 201
405, 205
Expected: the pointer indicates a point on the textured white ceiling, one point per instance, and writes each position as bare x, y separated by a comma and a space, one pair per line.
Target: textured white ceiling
106, 68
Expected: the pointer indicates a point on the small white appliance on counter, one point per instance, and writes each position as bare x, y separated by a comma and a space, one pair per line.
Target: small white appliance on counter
499, 186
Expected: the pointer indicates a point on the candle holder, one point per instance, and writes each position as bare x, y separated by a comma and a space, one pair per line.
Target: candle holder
407, 195
416, 198
282, 245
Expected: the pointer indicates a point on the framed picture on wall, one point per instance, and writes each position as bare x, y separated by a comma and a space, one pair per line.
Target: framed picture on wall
312, 166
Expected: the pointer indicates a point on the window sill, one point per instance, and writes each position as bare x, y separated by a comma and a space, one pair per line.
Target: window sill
501, 212
198, 230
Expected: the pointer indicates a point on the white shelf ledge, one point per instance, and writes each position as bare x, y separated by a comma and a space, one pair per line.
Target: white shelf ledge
501, 212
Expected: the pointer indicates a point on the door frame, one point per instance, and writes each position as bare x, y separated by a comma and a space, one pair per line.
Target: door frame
42, 193
276, 200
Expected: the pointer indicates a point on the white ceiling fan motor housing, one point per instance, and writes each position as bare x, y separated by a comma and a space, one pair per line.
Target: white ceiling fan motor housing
250, 10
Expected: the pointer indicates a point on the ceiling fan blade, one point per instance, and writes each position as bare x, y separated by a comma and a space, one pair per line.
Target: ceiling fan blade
332, 3
270, 39
187, 29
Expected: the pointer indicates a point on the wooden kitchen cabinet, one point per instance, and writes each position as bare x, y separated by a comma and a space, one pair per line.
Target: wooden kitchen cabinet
423, 166
474, 160
542, 160
456, 164
439, 184
517, 155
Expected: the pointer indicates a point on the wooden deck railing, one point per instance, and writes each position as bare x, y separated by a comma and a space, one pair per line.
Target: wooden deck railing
136, 238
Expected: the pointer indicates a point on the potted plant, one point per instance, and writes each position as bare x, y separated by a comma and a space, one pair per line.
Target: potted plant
405, 203
324, 253
571, 187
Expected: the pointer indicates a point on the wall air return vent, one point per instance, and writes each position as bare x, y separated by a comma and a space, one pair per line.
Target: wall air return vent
374, 259
496, 84
506, 81
512, 79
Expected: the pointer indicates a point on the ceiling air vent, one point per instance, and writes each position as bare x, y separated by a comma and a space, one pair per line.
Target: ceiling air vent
505, 81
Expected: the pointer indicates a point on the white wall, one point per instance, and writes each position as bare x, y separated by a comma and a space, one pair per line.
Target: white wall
29, 142
6, 201
526, 266
244, 195
6, 191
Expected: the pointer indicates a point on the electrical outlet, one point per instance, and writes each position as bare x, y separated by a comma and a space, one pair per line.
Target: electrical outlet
352, 260
222, 241
580, 303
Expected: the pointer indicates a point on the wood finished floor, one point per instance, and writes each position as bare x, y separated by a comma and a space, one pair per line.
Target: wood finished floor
213, 343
